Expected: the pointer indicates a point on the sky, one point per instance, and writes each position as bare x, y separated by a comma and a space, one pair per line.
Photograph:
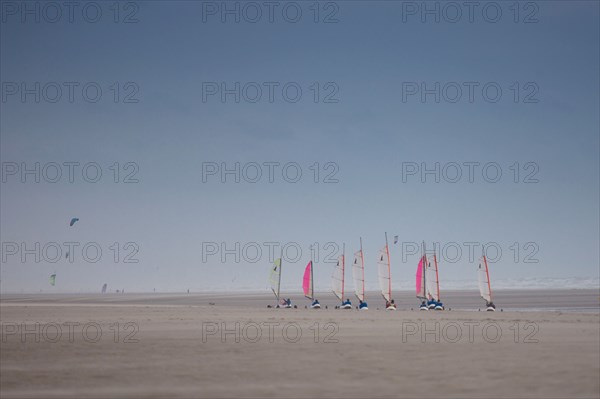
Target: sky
194, 140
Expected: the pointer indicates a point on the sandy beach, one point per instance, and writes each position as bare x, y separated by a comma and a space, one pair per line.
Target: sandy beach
544, 344
172, 172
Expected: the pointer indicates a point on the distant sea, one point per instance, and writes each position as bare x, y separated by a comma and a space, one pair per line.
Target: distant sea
500, 284
525, 283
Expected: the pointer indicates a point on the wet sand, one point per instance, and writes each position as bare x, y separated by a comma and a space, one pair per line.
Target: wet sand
545, 344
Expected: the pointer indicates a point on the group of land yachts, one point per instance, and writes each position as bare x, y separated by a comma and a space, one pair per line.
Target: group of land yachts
427, 285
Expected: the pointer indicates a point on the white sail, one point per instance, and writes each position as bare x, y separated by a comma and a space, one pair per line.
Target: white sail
337, 280
484, 282
358, 272
383, 266
274, 277
431, 280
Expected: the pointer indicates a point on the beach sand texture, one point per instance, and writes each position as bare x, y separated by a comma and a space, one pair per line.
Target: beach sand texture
162, 345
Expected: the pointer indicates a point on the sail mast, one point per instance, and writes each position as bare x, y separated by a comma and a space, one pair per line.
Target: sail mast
343, 267
280, 267
362, 255
422, 290
437, 276
312, 285
425, 269
387, 250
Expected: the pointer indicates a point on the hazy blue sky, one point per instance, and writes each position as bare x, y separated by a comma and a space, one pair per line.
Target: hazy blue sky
546, 120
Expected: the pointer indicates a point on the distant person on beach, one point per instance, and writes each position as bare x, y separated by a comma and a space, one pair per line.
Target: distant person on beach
315, 303
362, 305
431, 303
347, 303
286, 302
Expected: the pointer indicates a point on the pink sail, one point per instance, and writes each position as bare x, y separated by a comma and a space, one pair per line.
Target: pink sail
420, 287
307, 281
